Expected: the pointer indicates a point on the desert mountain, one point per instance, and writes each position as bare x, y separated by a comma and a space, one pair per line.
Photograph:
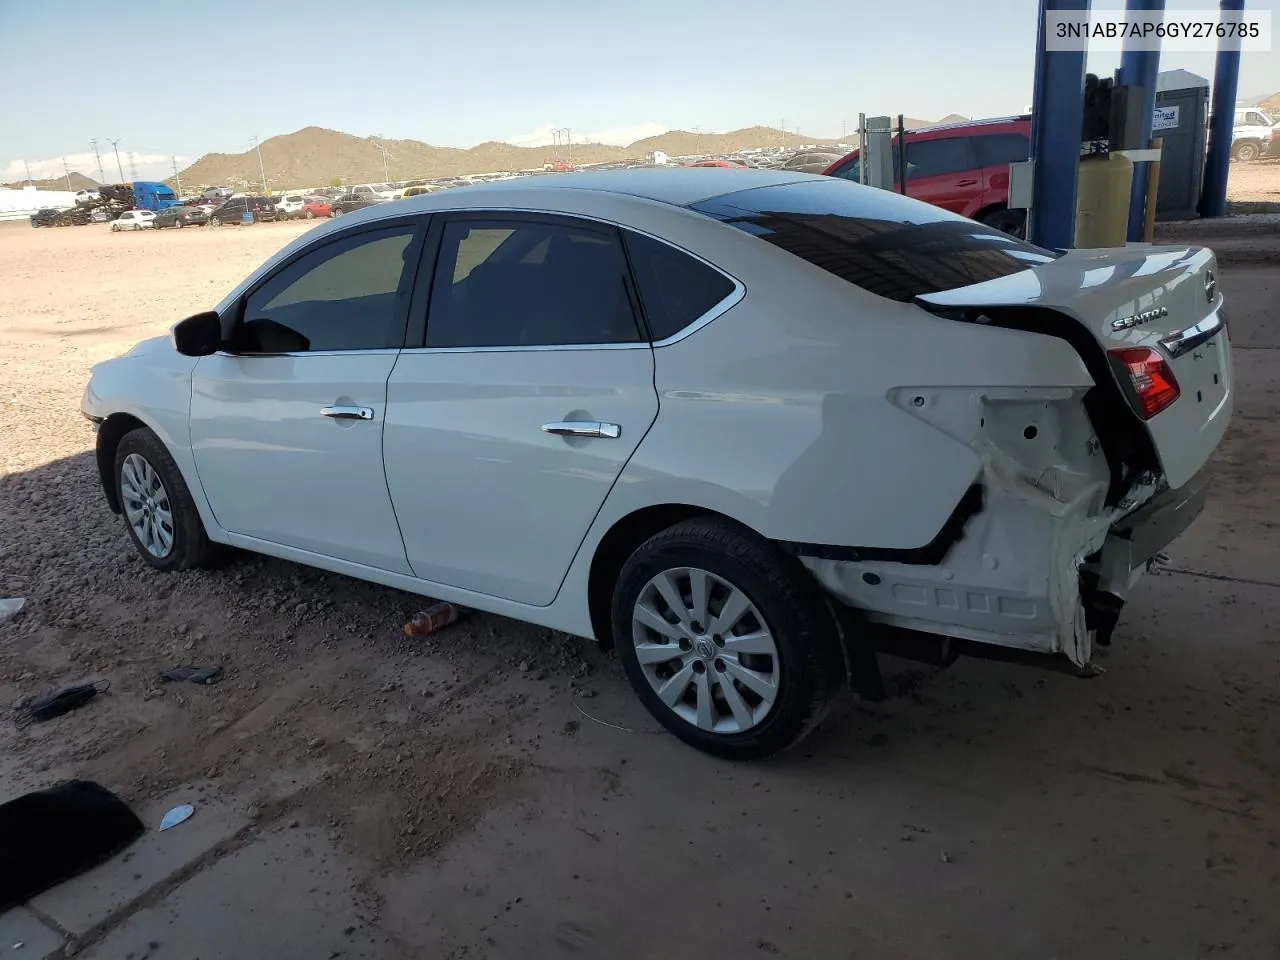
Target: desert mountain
78, 182
315, 156
1271, 104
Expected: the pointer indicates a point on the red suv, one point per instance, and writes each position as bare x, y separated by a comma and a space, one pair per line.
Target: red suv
962, 167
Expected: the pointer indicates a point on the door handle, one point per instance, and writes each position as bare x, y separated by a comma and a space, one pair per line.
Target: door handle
965, 183
583, 428
341, 412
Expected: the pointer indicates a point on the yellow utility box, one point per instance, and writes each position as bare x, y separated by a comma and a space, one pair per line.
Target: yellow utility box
1102, 201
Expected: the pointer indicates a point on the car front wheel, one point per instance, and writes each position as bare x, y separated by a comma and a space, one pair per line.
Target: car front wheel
1247, 152
727, 641
159, 513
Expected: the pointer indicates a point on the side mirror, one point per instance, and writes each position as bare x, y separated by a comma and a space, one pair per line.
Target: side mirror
197, 336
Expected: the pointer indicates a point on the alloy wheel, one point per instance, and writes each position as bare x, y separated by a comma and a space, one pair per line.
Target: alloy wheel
705, 650
146, 505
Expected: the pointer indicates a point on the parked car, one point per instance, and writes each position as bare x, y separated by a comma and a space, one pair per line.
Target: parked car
961, 167
1251, 134
134, 220
289, 206
217, 194
719, 162
58, 217
317, 207
86, 197
352, 200
233, 210
530, 434
183, 216
418, 189
814, 162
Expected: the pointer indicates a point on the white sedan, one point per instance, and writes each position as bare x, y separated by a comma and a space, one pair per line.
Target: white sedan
743, 426
134, 220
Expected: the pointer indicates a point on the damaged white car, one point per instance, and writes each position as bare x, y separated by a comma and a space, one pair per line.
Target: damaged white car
745, 427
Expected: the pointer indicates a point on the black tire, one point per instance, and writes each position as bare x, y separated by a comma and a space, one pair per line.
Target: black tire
810, 664
215, 222
1246, 151
310, 214
1013, 222
177, 222
335, 212
191, 546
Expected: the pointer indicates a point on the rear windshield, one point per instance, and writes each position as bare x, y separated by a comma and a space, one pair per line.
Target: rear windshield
880, 241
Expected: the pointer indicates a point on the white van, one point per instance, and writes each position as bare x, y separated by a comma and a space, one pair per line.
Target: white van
1251, 134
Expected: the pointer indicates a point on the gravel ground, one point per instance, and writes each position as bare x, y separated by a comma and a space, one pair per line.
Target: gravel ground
1257, 182
499, 792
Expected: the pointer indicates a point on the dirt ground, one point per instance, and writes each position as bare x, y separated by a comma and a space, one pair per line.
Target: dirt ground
495, 790
1257, 182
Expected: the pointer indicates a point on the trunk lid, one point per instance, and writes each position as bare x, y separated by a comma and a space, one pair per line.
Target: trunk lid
1164, 299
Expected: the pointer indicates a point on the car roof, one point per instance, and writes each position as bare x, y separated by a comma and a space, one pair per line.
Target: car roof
679, 186
976, 125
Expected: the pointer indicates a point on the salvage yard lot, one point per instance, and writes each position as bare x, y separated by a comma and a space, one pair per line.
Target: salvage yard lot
496, 791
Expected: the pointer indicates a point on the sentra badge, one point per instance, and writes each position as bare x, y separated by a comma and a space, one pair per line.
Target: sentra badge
1146, 316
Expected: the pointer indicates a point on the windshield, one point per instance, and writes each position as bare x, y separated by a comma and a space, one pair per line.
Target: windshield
880, 241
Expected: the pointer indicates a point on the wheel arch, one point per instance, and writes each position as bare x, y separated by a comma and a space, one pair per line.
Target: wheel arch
618, 543
110, 432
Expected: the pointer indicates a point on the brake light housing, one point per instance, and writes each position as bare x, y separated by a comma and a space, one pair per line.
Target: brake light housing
1152, 385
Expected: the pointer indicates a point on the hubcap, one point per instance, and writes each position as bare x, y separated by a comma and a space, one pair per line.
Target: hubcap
146, 505
706, 650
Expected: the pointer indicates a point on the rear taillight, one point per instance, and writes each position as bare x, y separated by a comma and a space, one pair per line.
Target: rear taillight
1153, 383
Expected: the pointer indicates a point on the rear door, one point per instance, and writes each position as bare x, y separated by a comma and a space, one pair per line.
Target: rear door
944, 171
994, 153
509, 424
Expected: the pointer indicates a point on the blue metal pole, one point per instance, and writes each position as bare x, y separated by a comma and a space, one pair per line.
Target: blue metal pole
1139, 68
1226, 77
1057, 112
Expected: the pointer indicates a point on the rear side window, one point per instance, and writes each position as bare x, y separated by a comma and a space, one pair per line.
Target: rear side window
878, 240
675, 289
521, 283
1000, 149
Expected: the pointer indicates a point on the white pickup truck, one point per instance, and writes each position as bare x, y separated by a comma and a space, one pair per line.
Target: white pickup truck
1251, 134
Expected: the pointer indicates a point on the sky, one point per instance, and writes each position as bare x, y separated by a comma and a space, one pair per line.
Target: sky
456, 74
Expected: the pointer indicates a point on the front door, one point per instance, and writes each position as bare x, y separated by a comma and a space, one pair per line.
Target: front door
507, 430
287, 424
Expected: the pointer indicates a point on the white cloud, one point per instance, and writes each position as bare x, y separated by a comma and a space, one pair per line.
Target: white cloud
545, 136
150, 166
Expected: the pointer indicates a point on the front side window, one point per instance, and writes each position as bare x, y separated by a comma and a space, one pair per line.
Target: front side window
529, 283
675, 289
935, 158
878, 240
347, 295
848, 170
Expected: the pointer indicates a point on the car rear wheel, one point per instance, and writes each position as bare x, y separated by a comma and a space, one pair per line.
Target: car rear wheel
177, 222
215, 222
335, 212
310, 214
1013, 222
1247, 152
159, 513
727, 641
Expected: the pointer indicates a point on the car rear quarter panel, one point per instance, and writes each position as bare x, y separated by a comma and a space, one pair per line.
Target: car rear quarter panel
802, 412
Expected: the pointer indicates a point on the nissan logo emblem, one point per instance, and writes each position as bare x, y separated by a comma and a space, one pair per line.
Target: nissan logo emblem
1210, 285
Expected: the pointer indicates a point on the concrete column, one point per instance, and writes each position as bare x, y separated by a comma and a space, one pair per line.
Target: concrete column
1057, 112
1226, 77
1139, 68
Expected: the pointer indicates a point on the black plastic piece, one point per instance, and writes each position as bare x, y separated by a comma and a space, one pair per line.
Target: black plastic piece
929, 555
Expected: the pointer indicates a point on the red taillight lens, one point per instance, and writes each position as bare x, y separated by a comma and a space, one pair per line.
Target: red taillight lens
1154, 386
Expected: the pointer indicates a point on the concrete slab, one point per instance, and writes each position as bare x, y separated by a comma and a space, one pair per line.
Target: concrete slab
23, 935
87, 902
285, 895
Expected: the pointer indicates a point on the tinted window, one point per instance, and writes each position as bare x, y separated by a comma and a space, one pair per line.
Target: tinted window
1001, 149
519, 284
675, 289
933, 158
878, 240
348, 295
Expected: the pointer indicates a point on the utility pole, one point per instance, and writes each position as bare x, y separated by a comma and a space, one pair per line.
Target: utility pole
102, 177
175, 174
27, 164
844, 129
133, 166
119, 165
67, 171
261, 169
568, 136
377, 142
